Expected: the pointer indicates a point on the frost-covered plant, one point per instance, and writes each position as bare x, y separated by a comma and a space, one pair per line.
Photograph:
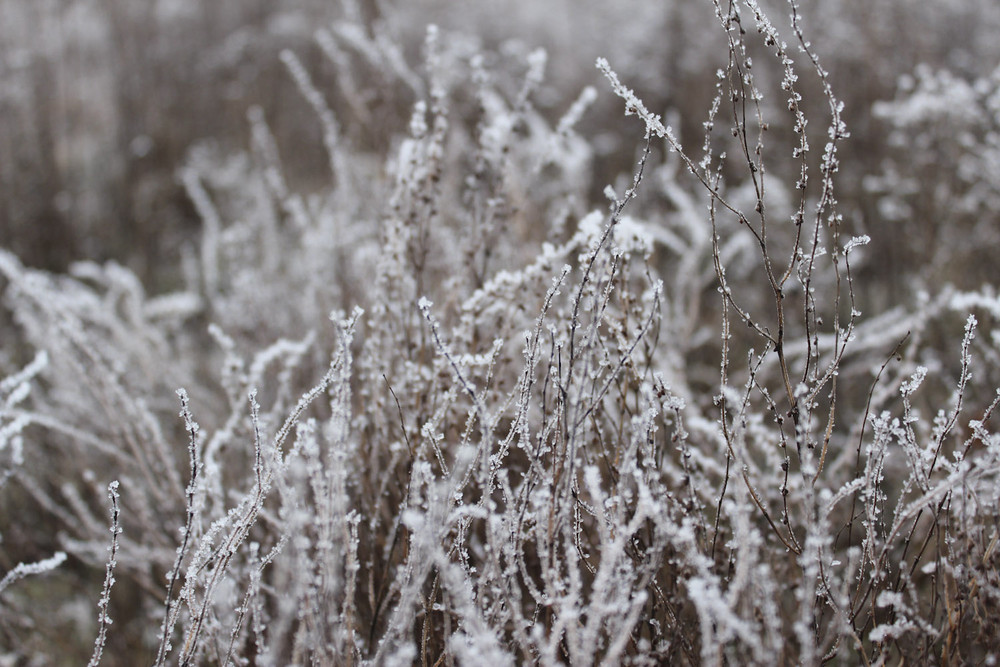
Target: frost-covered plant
943, 159
448, 409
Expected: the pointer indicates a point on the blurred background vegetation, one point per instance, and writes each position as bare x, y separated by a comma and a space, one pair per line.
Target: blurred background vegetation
101, 100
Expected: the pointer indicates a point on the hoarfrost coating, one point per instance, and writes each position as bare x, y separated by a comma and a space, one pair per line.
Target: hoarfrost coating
490, 355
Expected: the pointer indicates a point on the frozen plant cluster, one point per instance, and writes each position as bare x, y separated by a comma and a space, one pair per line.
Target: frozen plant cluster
456, 405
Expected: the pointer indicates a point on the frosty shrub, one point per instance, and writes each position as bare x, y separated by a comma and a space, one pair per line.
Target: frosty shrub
450, 407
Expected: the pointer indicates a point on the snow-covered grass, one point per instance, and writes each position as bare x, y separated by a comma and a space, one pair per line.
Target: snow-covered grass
457, 403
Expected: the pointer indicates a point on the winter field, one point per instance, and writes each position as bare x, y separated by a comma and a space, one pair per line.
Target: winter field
645, 332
